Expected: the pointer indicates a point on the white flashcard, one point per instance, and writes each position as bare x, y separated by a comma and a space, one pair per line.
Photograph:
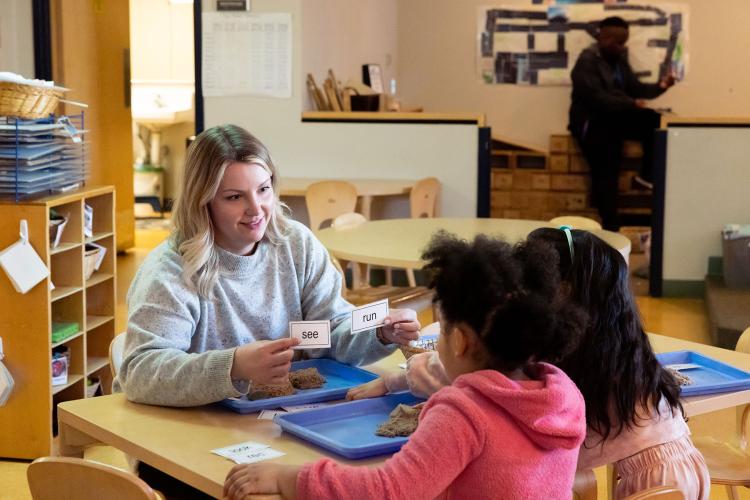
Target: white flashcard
247, 453
312, 334
269, 414
369, 316
683, 366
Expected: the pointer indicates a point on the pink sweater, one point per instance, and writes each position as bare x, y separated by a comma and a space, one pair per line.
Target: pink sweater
485, 436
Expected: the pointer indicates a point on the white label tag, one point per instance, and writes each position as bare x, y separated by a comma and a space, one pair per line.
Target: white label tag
312, 334
269, 414
369, 316
296, 408
683, 366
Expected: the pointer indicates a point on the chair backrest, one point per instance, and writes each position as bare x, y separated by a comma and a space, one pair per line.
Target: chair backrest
659, 492
52, 478
348, 221
743, 343
576, 222
423, 198
326, 200
116, 350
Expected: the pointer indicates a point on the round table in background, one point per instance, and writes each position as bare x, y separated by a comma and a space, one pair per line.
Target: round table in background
399, 242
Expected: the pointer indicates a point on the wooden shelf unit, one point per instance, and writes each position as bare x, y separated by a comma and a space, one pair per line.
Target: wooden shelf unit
26, 319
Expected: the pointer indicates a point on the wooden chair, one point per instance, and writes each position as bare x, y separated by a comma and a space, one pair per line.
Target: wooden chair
326, 200
423, 199
423, 203
62, 478
729, 462
116, 350
584, 485
660, 493
576, 222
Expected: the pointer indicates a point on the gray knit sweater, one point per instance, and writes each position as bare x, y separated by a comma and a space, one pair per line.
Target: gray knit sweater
179, 346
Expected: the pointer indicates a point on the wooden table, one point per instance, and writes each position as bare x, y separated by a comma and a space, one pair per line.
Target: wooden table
400, 242
178, 440
367, 189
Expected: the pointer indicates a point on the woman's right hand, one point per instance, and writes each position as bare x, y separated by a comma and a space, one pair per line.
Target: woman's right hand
264, 362
372, 389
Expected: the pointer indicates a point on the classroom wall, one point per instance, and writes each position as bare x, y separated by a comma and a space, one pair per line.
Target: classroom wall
340, 34
436, 68
16, 37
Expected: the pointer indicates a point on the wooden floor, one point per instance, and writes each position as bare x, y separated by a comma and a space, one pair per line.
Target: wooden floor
681, 318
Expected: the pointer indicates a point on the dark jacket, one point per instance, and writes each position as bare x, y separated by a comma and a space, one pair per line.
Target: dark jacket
595, 91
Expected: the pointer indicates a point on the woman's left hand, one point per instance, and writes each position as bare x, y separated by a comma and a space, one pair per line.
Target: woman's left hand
401, 326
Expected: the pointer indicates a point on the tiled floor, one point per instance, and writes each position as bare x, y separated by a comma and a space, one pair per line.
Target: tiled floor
682, 318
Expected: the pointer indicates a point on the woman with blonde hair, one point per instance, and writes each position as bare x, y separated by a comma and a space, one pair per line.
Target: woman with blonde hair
209, 309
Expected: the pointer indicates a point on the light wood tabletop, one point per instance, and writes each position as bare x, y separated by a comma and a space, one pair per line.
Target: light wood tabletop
367, 189
400, 242
178, 440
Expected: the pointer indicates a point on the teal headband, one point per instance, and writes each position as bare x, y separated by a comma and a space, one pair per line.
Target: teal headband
568, 235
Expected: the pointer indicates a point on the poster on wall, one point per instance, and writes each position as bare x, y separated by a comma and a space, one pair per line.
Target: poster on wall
539, 44
247, 54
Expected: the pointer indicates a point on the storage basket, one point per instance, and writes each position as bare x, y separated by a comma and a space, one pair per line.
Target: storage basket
89, 261
27, 101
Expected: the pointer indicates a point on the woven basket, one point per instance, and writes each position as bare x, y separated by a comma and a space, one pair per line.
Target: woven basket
89, 262
27, 101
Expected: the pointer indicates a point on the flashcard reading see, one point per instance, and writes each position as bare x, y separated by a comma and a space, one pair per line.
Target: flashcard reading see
312, 334
369, 316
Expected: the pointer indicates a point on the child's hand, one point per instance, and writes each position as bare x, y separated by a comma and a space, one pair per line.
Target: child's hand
372, 389
401, 326
249, 479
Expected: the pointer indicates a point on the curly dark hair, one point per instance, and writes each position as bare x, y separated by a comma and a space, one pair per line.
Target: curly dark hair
509, 296
614, 366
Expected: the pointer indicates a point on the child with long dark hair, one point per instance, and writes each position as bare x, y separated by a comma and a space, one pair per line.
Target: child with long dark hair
633, 412
509, 425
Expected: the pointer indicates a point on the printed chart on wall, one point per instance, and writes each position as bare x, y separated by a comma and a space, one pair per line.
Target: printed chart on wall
538, 44
247, 54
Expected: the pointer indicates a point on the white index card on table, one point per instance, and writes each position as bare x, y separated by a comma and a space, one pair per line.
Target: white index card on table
312, 334
369, 316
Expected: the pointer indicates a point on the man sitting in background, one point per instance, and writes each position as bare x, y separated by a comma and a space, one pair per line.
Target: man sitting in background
606, 109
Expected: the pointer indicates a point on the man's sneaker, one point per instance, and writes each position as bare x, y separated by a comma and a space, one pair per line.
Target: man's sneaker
639, 182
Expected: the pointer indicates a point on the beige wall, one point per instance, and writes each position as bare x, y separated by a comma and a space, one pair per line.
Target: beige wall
16, 37
161, 40
342, 35
436, 68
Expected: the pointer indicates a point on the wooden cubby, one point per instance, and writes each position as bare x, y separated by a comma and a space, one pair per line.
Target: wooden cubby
26, 319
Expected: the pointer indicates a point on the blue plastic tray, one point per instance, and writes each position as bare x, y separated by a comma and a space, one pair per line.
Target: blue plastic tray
339, 379
348, 429
710, 377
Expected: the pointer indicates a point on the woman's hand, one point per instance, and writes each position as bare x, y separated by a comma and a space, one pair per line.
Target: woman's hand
372, 389
401, 326
264, 362
249, 479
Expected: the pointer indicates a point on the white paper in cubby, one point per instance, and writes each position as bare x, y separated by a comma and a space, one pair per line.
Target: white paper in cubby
23, 265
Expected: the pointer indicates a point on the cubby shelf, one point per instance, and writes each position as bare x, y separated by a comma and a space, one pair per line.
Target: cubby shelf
26, 419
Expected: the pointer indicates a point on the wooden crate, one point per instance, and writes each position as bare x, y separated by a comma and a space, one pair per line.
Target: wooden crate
530, 160
578, 164
559, 143
558, 162
501, 179
570, 182
540, 182
500, 200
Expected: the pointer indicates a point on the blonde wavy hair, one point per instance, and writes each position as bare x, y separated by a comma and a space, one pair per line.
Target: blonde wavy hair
193, 233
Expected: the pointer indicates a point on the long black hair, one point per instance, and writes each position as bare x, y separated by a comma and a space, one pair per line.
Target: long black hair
509, 296
614, 366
